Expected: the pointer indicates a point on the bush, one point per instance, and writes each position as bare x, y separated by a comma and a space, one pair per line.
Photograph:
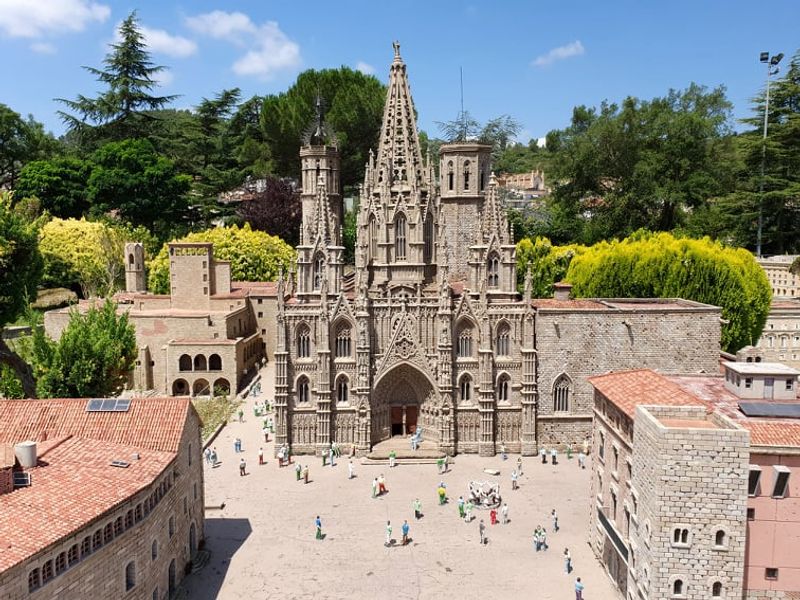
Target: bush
254, 255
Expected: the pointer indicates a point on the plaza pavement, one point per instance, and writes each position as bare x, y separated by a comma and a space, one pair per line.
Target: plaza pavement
262, 542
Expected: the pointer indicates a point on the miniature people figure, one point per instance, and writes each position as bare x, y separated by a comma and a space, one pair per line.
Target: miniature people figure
350, 469
318, 523
444, 464
392, 458
440, 465
493, 517
241, 415
417, 509
207, 454
242, 468
578, 589
553, 454
298, 471
482, 532
214, 457
405, 529
569, 451
468, 511
504, 513
388, 533
567, 561
381, 484
543, 537
543, 454
442, 491
503, 452
519, 466
554, 516
513, 480
236, 445
585, 449
582, 460
261, 456
537, 540
265, 431
375, 488
324, 458
332, 454
460, 507
305, 474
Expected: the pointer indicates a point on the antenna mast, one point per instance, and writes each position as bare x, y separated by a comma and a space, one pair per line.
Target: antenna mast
463, 116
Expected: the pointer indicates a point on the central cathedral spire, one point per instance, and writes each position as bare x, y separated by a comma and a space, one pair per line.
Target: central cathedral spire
399, 153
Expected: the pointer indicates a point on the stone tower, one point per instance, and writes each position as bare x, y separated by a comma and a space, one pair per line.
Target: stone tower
398, 214
320, 252
134, 267
464, 169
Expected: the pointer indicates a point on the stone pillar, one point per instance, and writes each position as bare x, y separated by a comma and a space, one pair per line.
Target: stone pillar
447, 433
323, 386
282, 424
529, 388
486, 409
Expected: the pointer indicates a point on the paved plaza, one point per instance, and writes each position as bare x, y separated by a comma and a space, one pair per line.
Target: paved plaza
262, 542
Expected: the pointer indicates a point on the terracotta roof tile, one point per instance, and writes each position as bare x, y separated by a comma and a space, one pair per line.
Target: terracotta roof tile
150, 423
629, 389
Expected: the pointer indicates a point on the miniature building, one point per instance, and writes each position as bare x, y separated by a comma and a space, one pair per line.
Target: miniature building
691, 488
106, 500
780, 339
785, 284
134, 268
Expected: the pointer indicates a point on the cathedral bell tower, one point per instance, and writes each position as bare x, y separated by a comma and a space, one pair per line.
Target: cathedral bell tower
320, 252
464, 169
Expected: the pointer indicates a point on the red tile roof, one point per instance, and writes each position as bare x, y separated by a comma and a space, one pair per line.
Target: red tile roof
150, 423
628, 389
74, 482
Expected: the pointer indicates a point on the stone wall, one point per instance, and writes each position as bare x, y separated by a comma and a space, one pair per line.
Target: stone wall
101, 574
691, 481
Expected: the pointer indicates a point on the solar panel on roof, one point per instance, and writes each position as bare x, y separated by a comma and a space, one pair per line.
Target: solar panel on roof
109, 405
94, 404
770, 409
120, 463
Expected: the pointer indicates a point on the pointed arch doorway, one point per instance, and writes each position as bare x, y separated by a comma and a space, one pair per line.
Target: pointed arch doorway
402, 402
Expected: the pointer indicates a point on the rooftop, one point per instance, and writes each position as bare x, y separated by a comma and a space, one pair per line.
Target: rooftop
629, 389
74, 482
760, 368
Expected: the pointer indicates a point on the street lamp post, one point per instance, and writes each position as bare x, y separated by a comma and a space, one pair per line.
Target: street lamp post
772, 69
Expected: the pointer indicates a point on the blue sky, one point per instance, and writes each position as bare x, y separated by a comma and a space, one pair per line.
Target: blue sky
531, 60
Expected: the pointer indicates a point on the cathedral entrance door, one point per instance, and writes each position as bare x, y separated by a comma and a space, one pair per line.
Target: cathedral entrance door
397, 420
411, 419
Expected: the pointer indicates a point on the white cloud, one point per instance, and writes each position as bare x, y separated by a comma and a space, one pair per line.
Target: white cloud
269, 49
365, 68
164, 77
34, 19
223, 26
43, 48
160, 41
572, 49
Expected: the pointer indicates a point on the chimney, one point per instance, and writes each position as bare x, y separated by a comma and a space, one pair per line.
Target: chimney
26, 454
562, 290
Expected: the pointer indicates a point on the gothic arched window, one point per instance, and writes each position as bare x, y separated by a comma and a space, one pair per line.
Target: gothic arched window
319, 271
494, 271
561, 393
400, 238
465, 389
303, 342
450, 176
373, 237
465, 343
466, 175
428, 235
342, 391
303, 392
503, 389
343, 344
503, 345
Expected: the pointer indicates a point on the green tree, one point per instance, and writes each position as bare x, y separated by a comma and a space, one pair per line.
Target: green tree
254, 255
735, 215
355, 108
644, 164
91, 359
85, 254
121, 111
58, 183
659, 265
350, 235
547, 263
21, 141
139, 185
20, 271
275, 209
